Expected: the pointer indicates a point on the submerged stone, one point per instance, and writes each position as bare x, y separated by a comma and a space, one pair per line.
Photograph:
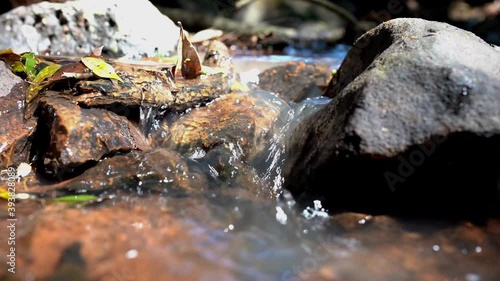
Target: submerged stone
156, 171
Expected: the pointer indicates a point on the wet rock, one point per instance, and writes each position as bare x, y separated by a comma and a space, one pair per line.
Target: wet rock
238, 120
156, 171
147, 87
14, 130
195, 92
215, 54
413, 127
77, 27
229, 136
423, 250
141, 87
295, 81
136, 239
76, 136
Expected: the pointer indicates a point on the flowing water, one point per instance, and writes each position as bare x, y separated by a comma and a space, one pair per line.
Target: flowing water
235, 233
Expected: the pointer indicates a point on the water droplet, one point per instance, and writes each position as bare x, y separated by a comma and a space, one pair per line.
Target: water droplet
228, 228
281, 216
472, 277
436, 248
132, 254
138, 225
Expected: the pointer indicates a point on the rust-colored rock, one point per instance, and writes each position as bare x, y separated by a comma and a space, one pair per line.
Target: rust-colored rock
14, 130
295, 81
119, 241
78, 135
216, 54
153, 88
193, 92
236, 119
141, 87
159, 171
228, 136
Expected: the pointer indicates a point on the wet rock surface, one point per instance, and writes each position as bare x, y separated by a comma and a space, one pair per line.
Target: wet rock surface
404, 248
192, 234
141, 87
159, 170
413, 125
14, 130
295, 81
228, 136
79, 135
238, 118
188, 184
64, 29
143, 239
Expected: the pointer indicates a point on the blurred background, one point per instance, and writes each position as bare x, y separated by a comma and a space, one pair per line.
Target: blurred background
316, 23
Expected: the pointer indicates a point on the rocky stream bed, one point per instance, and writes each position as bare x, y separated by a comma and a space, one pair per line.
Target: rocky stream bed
380, 161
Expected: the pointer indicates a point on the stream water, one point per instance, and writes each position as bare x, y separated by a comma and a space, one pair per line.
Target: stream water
231, 233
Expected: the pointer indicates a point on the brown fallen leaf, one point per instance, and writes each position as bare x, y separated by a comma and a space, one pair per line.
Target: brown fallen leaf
9, 57
188, 61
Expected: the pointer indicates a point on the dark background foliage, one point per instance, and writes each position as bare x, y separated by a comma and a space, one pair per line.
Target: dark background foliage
478, 16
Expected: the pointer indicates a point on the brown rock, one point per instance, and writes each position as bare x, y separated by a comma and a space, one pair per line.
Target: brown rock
140, 87
240, 119
146, 87
140, 241
159, 171
14, 130
295, 81
78, 136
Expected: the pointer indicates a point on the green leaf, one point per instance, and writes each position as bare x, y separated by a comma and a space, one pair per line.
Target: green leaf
38, 83
76, 199
46, 72
18, 67
30, 63
101, 68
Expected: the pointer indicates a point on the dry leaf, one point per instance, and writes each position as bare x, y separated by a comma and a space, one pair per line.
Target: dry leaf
188, 61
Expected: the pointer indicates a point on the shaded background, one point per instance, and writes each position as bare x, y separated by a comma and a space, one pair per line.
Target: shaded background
313, 23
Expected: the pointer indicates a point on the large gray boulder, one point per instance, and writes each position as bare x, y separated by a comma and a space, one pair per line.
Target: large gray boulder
124, 28
413, 125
